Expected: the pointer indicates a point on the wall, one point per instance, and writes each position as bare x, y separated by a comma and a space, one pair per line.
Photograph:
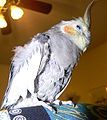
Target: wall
4, 71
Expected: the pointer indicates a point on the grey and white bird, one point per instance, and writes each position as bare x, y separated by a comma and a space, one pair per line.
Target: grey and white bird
42, 68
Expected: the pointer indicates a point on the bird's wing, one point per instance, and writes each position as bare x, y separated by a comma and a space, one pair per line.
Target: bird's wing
27, 63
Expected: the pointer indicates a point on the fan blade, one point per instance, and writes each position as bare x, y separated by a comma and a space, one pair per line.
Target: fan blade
6, 30
34, 5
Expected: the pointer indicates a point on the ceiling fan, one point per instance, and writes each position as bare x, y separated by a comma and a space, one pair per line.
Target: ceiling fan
34, 5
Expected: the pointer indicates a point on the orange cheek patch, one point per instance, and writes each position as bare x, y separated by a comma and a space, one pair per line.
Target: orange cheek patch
69, 30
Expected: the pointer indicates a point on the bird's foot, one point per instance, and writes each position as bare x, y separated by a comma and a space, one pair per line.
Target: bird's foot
59, 102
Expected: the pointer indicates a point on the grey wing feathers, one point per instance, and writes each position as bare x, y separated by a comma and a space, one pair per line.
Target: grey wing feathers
27, 62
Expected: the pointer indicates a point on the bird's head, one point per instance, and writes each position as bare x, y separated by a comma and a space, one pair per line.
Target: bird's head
78, 29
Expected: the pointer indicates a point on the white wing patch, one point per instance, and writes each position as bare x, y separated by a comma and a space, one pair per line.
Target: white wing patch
26, 62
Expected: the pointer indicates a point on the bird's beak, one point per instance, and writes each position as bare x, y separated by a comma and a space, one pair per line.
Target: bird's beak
86, 17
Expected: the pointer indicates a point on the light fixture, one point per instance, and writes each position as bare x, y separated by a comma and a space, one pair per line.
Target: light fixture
3, 22
16, 12
2, 3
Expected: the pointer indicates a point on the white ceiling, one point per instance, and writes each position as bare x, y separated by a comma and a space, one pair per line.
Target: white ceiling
34, 22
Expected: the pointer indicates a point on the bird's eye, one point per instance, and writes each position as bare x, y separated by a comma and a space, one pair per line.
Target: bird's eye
78, 27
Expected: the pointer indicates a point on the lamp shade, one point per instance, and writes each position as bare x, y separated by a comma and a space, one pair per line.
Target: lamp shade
16, 12
2, 3
3, 22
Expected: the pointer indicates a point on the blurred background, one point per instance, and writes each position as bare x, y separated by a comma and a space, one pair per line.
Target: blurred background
91, 72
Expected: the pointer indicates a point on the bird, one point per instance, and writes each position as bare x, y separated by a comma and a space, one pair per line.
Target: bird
43, 67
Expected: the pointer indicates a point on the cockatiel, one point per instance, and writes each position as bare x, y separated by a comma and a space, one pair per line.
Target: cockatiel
42, 68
